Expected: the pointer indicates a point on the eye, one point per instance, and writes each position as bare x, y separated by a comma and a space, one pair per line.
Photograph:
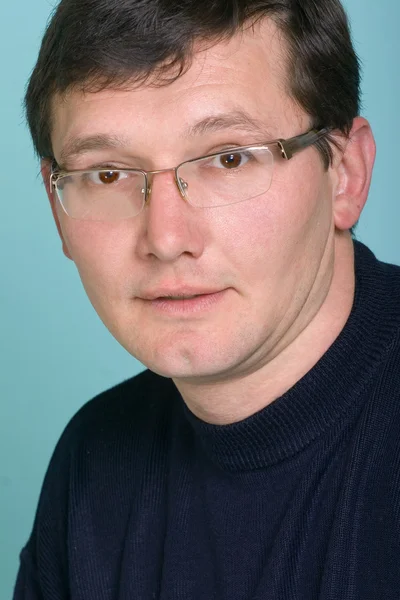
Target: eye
106, 177
232, 160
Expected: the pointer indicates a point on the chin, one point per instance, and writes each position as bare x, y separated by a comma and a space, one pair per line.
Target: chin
204, 369
188, 356
183, 371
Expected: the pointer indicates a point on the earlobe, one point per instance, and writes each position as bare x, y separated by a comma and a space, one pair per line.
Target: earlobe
46, 172
354, 175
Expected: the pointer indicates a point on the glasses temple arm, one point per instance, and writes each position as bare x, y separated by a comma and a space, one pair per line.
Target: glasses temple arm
295, 144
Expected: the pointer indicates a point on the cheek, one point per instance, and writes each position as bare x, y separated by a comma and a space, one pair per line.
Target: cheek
98, 251
302, 204
273, 221
271, 240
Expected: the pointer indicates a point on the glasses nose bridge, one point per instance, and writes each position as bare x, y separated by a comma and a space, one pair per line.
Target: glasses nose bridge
161, 171
149, 176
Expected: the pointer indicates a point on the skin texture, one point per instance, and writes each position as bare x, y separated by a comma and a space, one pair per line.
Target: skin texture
285, 259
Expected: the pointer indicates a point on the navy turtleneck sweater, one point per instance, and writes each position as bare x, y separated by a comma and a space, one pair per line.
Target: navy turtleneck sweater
301, 501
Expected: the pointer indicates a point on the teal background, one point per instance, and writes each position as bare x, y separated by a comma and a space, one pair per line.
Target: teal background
55, 353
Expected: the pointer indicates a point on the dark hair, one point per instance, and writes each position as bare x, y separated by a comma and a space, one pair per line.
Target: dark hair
94, 44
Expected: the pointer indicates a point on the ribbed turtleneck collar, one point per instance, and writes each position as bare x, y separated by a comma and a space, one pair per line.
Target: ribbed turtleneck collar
332, 389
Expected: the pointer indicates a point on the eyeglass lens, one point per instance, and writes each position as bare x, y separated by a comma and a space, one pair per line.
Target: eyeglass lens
219, 180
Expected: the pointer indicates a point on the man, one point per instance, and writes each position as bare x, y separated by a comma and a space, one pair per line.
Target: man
205, 164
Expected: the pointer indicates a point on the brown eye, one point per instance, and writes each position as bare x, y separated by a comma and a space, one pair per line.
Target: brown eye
231, 161
108, 176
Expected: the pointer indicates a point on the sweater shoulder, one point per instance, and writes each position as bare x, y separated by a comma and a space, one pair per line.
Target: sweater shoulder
129, 410
104, 446
134, 397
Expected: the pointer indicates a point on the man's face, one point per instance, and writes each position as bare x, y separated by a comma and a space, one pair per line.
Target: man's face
268, 259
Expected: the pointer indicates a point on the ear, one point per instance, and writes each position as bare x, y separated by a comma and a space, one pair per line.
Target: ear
354, 169
55, 206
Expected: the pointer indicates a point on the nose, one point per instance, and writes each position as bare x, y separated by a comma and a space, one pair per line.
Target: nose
171, 226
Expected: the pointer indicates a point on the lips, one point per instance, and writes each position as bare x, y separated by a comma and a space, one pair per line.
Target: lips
181, 294
183, 305
176, 297
182, 302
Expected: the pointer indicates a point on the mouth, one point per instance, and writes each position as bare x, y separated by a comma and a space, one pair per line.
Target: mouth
185, 304
181, 297
182, 293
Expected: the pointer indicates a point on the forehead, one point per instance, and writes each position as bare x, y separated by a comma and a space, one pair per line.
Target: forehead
246, 74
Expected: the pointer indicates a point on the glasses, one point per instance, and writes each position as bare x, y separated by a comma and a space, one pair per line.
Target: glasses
220, 179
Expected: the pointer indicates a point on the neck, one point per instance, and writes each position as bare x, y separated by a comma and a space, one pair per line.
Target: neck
231, 401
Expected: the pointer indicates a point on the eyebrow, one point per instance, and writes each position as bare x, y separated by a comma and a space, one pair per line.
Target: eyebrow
80, 145
237, 119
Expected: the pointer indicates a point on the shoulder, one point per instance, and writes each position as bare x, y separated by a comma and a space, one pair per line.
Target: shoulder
371, 268
134, 397
132, 404
111, 437
127, 415
377, 301
100, 456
